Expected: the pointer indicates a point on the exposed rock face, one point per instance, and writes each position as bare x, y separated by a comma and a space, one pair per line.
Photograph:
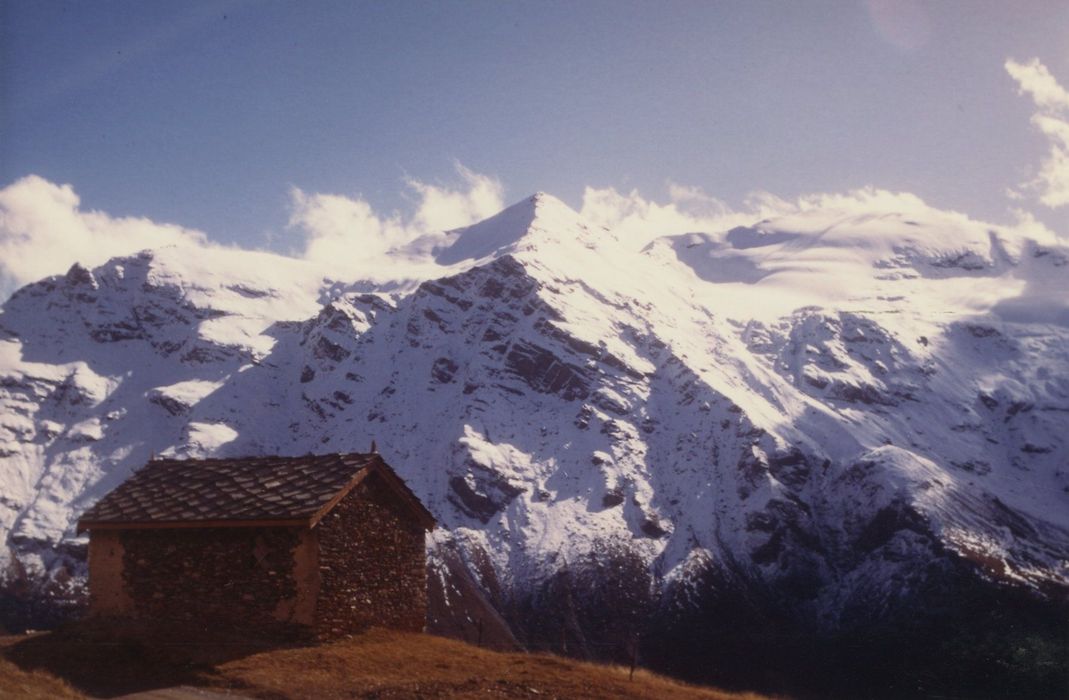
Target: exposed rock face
693, 416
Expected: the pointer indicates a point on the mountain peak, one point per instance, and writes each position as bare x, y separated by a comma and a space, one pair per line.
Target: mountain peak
534, 208
540, 216
546, 205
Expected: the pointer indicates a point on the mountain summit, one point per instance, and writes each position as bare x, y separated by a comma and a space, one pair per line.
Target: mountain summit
533, 223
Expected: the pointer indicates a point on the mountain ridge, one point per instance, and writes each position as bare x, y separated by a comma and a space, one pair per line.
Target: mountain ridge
826, 429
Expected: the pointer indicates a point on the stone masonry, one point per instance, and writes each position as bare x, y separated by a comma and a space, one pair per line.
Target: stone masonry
314, 546
372, 564
248, 580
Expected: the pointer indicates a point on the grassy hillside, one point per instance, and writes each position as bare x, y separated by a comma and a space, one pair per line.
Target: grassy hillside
379, 663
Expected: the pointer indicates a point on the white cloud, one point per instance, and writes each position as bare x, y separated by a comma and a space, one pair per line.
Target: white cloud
43, 231
689, 209
1034, 79
1028, 226
1051, 183
867, 200
337, 228
441, 208
346, 233
695, 199
1053, 177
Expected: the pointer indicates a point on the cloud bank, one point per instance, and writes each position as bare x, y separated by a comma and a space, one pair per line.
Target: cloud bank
691, 210
44, 230
347, 234
1051, 183
687, 210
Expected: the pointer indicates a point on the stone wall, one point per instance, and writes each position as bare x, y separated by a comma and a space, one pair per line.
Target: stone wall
221, 580
363, 564
372, 563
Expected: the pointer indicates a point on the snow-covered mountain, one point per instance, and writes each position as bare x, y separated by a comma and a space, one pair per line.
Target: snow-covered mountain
832, 408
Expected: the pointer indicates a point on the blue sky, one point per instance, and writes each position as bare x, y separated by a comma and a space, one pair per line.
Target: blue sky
209, 114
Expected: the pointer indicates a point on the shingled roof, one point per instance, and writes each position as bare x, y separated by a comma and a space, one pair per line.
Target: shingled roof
245, 491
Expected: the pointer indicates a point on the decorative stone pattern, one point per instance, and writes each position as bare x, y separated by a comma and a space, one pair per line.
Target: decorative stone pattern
217, 579
372, 564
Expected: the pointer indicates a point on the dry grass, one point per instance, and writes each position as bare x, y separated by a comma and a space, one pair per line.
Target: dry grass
377, 664
32, 685
384, 664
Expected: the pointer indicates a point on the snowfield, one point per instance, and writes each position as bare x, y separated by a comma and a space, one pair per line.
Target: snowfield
826, 403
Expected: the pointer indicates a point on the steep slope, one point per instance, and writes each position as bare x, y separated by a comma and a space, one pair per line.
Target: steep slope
831, 417
101, 366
